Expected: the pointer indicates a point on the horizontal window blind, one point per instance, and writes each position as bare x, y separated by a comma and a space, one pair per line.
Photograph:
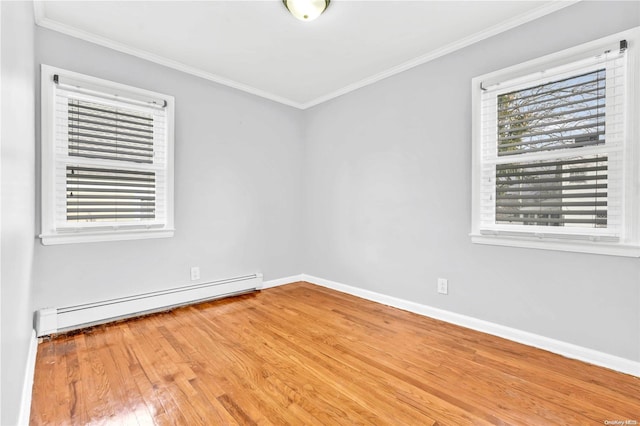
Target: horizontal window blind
552, 150
111, 167
109, 133
553, 193
96, 194
561, 114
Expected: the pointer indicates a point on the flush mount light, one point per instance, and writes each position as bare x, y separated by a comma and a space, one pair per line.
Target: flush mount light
306, 10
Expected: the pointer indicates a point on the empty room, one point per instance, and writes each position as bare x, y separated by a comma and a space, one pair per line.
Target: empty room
314, 212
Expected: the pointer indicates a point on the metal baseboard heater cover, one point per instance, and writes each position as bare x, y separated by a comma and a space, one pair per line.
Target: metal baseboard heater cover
59, 320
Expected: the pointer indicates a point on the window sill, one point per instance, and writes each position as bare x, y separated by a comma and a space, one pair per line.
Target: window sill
611, 249
91, 237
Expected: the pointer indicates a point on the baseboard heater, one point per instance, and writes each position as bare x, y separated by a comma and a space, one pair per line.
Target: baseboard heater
59, 320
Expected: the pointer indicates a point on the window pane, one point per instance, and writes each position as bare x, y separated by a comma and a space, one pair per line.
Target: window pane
567, 113
106, 132
99, 195
568, 192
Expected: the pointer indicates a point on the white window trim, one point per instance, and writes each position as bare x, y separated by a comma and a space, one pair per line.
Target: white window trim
95, 233
629, 245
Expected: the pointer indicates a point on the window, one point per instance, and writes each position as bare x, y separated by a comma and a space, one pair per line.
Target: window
107, 160
555, 161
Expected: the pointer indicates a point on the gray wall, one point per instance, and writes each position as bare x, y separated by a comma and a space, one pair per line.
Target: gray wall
237, 188
371, 189
18, 189
388, 199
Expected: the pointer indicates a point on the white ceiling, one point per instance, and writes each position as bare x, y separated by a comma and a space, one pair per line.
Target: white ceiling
257, 46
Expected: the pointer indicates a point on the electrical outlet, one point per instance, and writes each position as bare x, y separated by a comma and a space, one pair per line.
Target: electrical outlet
195, 273
443, 286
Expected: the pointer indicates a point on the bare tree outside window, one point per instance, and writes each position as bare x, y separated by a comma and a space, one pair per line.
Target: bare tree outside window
559, 116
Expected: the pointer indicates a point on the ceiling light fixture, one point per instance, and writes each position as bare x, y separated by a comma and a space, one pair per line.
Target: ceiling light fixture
306, 10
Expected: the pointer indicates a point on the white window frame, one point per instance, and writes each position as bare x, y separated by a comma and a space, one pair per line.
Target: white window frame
52, 232
628, 241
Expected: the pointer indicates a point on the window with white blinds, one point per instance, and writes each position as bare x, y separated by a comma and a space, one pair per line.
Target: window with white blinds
552, 150
107, 160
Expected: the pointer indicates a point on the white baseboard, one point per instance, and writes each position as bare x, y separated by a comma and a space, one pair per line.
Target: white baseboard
27, 387
568, 350
282, 281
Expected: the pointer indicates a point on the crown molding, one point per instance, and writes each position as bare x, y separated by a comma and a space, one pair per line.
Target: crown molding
44, 22
449, 48
546, 9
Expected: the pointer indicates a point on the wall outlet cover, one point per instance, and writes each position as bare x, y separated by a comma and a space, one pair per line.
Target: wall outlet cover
195, 273
443, 286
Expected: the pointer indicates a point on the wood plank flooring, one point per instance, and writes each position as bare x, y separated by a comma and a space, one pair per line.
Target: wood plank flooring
305, 355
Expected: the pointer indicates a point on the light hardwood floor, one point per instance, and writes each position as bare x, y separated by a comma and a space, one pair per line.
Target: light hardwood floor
302, 354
